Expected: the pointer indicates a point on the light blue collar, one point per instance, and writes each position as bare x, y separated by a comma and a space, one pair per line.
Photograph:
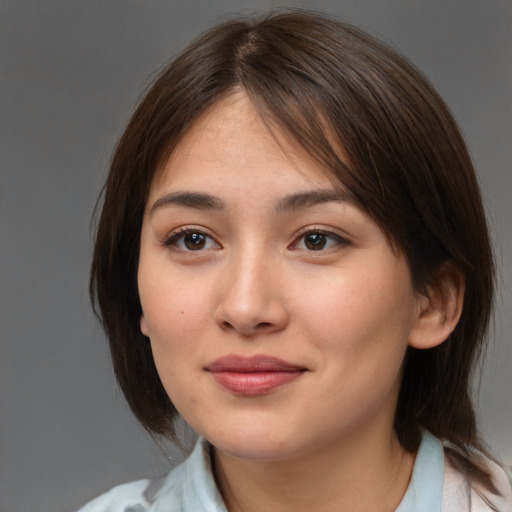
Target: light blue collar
191, 486
425, 491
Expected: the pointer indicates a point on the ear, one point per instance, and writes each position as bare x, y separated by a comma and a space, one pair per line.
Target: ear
439, 311
143, 325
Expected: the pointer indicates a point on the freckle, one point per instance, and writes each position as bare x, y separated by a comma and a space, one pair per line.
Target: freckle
181, 312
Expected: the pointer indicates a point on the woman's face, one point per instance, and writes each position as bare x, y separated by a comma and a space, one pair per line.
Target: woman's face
277, 312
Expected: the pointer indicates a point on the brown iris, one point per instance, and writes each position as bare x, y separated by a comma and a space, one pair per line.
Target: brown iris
315, 241
194, 241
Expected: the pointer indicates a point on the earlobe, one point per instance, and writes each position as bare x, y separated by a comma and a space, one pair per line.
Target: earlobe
439, 312
143, 326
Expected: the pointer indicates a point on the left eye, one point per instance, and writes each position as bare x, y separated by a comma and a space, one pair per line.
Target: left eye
191, 240
318, 241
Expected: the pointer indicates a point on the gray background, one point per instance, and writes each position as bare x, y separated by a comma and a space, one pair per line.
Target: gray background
71, 72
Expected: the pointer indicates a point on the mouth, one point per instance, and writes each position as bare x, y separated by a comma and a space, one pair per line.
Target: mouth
256, 375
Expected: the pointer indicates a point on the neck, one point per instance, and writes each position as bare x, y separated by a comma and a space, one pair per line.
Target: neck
363, 473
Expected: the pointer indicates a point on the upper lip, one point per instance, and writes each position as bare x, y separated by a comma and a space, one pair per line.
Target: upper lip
252, 364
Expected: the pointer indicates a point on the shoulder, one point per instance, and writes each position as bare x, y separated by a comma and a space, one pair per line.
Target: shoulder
439, 484
190, 486
502, 500
128, 497
460, 494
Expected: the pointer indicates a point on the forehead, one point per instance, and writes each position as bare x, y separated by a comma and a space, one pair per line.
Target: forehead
231, 140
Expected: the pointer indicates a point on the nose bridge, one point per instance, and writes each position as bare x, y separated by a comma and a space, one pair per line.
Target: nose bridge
251, 272
250, 300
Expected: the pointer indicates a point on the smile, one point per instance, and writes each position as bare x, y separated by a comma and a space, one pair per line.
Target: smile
255, 375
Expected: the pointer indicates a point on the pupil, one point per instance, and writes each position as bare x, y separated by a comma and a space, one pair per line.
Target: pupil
195, 241
315, 241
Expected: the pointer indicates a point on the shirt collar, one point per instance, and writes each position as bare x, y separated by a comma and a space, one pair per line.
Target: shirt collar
425, 490
195, 483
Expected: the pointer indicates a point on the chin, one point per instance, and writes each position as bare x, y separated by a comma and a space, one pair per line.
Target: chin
257, 450
252, 441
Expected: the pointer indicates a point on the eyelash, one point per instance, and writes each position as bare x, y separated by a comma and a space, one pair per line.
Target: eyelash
179, 234
339, 240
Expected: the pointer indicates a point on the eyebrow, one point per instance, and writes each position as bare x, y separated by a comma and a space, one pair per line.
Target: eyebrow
195, 200
287, 204
310, 198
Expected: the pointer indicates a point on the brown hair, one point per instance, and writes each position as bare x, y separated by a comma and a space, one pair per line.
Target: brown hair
328, 86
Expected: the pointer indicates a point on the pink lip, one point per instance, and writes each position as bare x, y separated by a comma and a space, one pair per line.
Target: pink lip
254, 375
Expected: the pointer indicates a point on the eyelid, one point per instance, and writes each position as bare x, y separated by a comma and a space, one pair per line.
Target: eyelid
175, 235
340, 239
171, 239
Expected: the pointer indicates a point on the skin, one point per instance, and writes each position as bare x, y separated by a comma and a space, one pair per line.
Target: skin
253, 285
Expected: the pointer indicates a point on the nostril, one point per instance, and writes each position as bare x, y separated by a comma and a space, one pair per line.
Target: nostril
263, 325
250, 318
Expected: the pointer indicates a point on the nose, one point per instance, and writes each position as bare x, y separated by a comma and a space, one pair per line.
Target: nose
250, 298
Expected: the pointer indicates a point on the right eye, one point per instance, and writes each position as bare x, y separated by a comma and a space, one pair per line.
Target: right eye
186, 239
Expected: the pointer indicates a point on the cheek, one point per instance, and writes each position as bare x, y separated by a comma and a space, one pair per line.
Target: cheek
177, 323
361, 303
362, 320
175, 313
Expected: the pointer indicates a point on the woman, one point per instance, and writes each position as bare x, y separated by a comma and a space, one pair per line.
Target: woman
293, 255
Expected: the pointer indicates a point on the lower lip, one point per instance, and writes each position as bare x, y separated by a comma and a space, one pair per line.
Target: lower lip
257, 383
